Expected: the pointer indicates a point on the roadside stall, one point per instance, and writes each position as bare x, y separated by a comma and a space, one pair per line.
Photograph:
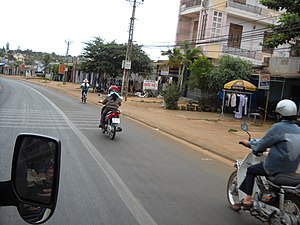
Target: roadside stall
237, 95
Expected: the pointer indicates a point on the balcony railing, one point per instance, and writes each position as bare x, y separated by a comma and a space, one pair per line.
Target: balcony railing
254, 9
239, 52
190, 4
246, 7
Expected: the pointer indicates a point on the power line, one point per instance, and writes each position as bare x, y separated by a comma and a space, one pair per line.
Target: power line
253, 35
208, 29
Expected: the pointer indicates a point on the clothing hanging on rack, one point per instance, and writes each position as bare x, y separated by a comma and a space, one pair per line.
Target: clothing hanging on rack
239, 113
246, 105
233, 100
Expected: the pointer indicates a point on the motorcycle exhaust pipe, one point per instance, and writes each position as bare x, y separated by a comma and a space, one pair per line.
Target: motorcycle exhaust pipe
275, 215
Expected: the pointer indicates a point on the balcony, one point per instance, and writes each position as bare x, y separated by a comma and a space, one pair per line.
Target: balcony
251, 9
190, 8
239, 52
246, 7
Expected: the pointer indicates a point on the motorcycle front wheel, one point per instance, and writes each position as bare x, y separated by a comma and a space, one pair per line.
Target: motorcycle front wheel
233, 191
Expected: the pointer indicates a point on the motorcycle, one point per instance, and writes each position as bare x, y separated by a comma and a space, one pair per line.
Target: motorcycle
111, 124
271, 114
83, 98
276, 199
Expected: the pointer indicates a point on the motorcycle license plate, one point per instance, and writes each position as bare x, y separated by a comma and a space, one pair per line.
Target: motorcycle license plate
116, 120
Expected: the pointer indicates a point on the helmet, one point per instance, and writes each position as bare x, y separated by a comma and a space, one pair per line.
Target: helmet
286, 107
85, 80
113, 88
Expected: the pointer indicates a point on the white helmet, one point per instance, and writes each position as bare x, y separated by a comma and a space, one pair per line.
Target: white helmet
286, 107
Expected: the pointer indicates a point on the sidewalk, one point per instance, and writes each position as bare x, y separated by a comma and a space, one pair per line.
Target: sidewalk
210, 131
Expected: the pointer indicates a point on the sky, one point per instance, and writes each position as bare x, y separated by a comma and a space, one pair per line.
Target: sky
47, 26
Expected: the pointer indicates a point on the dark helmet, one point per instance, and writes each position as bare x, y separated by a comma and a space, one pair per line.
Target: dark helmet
113, 88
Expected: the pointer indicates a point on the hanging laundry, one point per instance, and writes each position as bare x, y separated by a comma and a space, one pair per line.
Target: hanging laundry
228, 97
246, 105
239, 113
233, 100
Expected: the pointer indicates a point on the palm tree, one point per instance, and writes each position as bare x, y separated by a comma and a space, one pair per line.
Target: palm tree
46, 60
182, 58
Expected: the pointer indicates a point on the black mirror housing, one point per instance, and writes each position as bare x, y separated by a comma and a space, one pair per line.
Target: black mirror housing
35, 176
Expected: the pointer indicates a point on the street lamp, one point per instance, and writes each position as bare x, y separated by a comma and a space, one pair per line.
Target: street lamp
66, 68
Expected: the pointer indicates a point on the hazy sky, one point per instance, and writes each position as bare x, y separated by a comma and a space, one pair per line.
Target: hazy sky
45, 26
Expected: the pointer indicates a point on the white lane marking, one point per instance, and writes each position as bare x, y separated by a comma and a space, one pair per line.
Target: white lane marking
133, 204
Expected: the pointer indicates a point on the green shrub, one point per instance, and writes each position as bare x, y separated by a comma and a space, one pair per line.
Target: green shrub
171, 96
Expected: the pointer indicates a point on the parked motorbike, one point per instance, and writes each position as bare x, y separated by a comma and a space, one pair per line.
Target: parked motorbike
276, 199
270, 114
111, 124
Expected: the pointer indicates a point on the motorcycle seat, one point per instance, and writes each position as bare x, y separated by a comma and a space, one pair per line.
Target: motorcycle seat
286, 179
114, 111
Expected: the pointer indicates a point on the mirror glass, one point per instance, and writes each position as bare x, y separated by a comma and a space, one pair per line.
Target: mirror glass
244, 126
33, 214
35, 169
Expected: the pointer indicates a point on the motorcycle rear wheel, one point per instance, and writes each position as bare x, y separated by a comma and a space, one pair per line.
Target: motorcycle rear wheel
112, 132
233, 191
292, 205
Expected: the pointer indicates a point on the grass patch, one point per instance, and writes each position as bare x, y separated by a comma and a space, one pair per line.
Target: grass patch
232, 130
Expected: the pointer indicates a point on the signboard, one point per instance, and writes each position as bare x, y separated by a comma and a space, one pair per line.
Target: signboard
264, 82
150, 85
126, 64
22, 67
61, 69
164, 71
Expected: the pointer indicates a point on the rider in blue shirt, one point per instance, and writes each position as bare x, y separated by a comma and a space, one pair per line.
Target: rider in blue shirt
84, 87
283, 139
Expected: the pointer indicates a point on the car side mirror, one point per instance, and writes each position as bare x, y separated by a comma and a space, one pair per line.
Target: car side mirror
35, 176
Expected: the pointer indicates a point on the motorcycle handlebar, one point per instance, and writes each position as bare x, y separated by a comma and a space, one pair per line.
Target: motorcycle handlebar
244, 144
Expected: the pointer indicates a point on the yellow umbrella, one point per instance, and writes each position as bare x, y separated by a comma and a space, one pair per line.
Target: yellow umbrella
240, 85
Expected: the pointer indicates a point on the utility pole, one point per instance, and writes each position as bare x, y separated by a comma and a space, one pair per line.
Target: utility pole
67, 53
127, 62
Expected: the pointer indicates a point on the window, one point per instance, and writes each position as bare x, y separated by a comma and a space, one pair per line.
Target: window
240, 1
203, 25
216, 24
196, 23
267, 35
235, 35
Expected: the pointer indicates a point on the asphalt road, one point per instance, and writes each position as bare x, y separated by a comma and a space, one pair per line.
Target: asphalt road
142, 177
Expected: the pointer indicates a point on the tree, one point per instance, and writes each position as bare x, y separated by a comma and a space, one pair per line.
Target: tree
201, 70
101, 57
229, 68
288, 27
7, 47
55, 69
171, 96
29, 60
141, 63
182, 59
46, 60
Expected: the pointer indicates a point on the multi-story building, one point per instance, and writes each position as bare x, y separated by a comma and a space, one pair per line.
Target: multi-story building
238, 28
235, 27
